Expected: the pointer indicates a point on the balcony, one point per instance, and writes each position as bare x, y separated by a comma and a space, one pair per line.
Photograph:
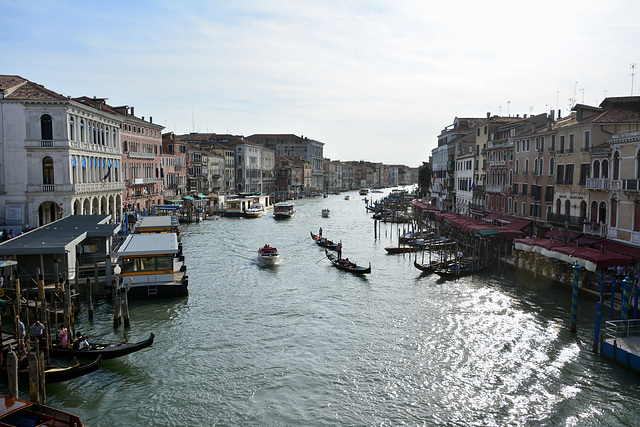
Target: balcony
585, 149
575, 221
494, 188
597, 184
630, 184
139, 155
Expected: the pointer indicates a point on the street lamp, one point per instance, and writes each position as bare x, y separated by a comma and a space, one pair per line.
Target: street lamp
117, 270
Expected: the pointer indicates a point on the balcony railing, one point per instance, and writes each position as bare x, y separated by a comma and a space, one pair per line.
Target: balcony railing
139, 155
48, 188
495, 188
46, 143
597, 184
575, 221
630, 184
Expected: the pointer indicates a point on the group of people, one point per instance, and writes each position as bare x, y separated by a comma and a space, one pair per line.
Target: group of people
38, 332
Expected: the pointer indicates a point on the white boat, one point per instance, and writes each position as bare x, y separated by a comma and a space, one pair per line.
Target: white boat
347, 197
326, 213
152, 265
365, 191
256, 210
268, 255
284, 210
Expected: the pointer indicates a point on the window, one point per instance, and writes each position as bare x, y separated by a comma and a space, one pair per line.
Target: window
587, 140
561, 148
572, 141
47, 171
72, 134
552, 146
584, 173
551, 166
568, 177
616, 166
560, 175
46, 127
596, 169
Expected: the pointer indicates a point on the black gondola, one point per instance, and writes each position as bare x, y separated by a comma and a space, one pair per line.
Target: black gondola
453, 270
347, 266
325, 243
107, 351
58, 373
426, 268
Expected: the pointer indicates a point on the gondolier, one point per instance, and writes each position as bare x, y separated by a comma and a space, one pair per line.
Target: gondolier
339, 250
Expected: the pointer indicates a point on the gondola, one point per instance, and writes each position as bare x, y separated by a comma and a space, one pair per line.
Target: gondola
454, 271
426, 268
18, 412
401, 249
325, 243
107, 351
347, 266
58, 373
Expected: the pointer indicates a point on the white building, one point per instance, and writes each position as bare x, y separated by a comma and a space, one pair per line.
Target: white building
58, 157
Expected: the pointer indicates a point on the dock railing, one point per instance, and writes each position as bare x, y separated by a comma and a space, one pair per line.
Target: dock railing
621, 328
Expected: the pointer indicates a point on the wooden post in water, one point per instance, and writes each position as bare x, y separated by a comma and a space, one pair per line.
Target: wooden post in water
574, 297
613, 294
116, 300
41, 383
89, 299
34, 381
12, 373
125, 308
596, 332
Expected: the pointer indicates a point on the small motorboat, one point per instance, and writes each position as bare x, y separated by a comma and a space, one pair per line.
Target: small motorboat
326, 213
268, 255
18, 412
347, 197
256, 210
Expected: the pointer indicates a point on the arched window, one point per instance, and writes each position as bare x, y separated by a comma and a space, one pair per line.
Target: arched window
81, 130
616, 166
558, 206
517, 167
594, 212
605, 168
72, 134
552, 165
46, 127
596, 169
614, 212
535, 167
47, 171
511, 178
541, 166
602, 213
567, 207
526, 166
638, 164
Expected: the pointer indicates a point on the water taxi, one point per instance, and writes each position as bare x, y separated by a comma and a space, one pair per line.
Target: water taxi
268, 255
365, 191
152, 265
347, 197
284, 210
326, 213
256, 210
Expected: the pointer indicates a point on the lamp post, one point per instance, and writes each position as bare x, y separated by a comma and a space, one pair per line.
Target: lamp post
116, 299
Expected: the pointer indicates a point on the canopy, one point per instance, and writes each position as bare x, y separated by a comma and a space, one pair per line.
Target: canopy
188, 198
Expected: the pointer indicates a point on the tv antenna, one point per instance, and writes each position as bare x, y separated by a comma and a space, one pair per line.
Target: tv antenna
633, 73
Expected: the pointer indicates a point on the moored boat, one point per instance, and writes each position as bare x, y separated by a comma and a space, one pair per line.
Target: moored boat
58, 373
256, 210
268, 255
152, 265
401, 249
346, 265
325, 243
107, 351
18, 412
283, 210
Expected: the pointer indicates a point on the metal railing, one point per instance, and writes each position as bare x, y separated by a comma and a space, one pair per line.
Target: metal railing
621, 328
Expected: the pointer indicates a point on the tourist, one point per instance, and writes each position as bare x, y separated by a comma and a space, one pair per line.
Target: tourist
37, 329
64, 337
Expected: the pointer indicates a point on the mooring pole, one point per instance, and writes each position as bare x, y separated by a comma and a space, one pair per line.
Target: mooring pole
574, 297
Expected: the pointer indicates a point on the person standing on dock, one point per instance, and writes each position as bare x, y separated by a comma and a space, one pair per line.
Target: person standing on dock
21, 333
38, 331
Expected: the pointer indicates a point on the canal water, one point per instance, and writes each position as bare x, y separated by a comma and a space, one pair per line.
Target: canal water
303, 343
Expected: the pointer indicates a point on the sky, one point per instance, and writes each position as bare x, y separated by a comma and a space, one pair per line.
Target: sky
373, 80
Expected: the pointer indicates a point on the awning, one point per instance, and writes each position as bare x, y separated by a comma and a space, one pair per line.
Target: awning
513, 223
588, 240
632, 251
174, 200
487, 233
188, 198
490, 217
202, 196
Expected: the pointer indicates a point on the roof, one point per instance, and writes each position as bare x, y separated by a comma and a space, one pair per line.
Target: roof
19, 88
149, 244
147, 222
59, 236
632, 251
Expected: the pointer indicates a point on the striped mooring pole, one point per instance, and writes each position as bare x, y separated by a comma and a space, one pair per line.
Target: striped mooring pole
625, 297
574, 297
613, 295
596, 332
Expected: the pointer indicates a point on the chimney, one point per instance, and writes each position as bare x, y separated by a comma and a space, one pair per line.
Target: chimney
488, 114
552, 115
132, 113
150, 119
559, 114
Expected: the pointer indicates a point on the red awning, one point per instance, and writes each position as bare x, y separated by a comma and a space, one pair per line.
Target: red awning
588, 240
632, 251
513, 223
558, 233
490, 217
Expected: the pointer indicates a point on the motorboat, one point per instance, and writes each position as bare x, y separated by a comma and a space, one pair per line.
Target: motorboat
283, 210
268, 255
256, 210
326, 213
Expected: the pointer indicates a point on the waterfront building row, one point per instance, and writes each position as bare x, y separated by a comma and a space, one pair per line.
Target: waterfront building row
63, 156
579, 172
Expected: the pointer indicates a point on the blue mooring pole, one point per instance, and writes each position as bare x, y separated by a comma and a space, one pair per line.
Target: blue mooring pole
601, 287
613, 294
596, 332
635, 300
625, 297
574, 297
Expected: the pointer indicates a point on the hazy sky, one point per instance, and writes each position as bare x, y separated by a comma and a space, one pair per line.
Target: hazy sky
373, 80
